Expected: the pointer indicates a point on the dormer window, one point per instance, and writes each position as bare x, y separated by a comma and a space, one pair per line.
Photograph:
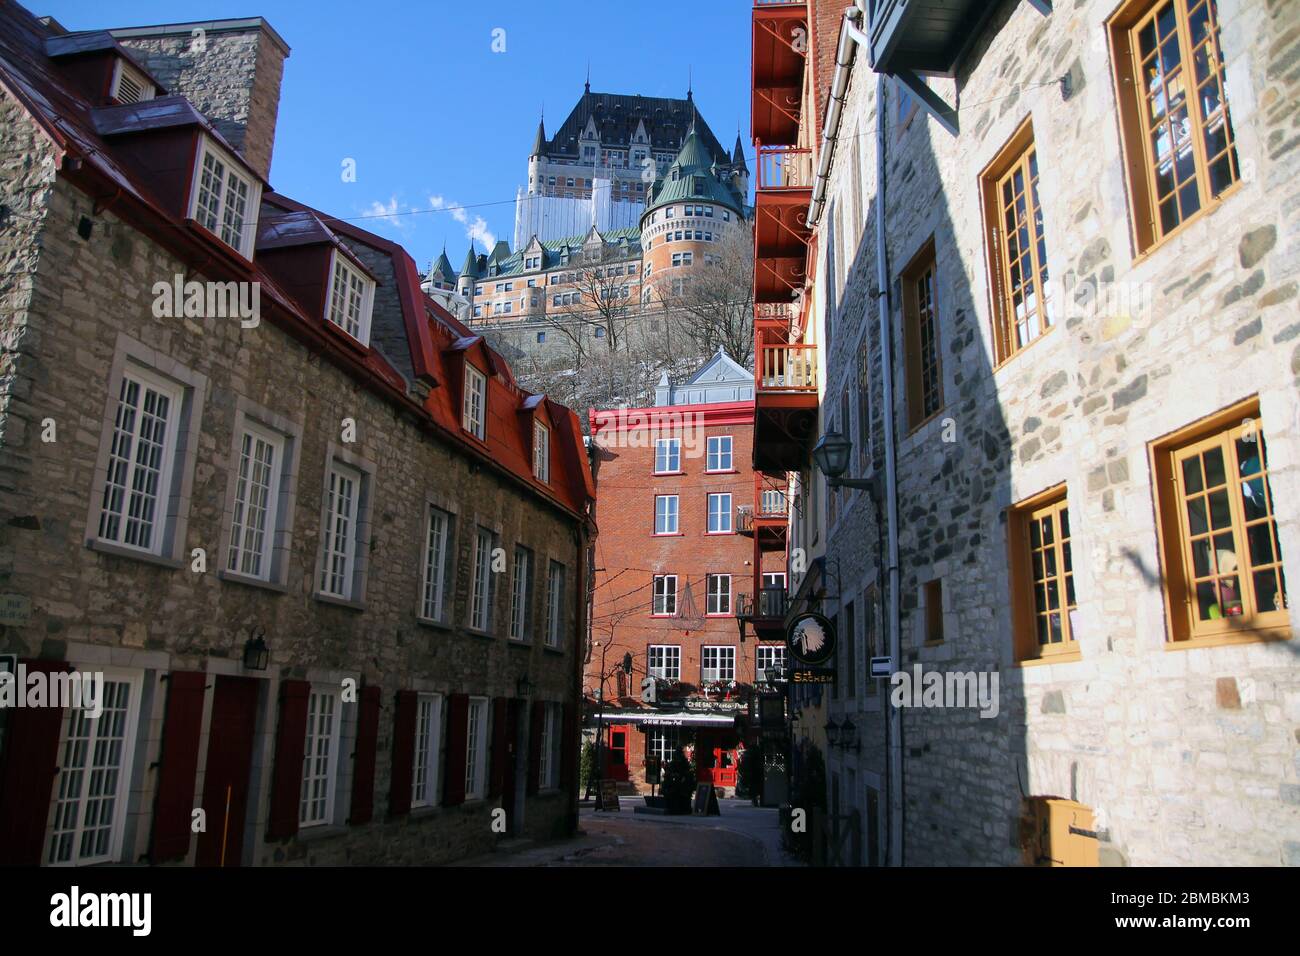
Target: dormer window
130, 85
541, 452
224, 199
350, 298
473, 414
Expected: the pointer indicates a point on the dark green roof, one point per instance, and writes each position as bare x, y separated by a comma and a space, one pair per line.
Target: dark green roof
443, 265
470, 268
693, 178
553, 249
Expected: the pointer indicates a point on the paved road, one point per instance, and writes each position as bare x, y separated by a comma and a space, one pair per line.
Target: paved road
743, 835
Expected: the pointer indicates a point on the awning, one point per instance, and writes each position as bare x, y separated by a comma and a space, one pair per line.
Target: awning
656, 718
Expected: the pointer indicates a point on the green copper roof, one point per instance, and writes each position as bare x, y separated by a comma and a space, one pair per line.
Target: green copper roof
443, 265
691, 178
470, 268
552, 248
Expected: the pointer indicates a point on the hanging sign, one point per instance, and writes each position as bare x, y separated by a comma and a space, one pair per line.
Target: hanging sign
811, 639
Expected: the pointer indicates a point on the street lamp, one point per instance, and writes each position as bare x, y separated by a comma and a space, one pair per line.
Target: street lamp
831, 455
832, 733
848, 736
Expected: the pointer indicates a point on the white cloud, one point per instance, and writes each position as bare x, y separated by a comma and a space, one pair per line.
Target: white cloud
475, 229
388, 212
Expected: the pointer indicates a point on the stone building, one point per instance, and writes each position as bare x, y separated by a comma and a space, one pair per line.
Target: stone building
327, 558
1051, 258
688, 529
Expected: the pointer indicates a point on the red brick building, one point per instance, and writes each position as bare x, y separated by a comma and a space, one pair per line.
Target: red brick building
677, 566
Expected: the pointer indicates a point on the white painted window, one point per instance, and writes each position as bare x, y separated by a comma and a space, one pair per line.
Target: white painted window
350, 299
665, 594
668, 455
770, 656
143, 453
548, 766
555, 604
521, 591
94, 776
257, 491
718, 587
342, 499
320, 761
666, 512
662, 743
474, 408
476, 749
541, 451
480, 598
718, 663
720, 513
224, 200
664, 661
434, 580
719, 453
428, 738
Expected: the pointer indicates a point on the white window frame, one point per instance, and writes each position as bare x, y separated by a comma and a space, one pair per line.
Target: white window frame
664, 661
476, 734
669, 450
521, 589
230, 169
542, 450
670, 514
548, 764
146, 381
720, 509
663, 743
473, 414
238, 554
320, 694
555, 582
723, 660
719, 450
717, 598
335, 473
433, 576
62, 798
357, 283
663, 601
428, 744
765, 656
480, 603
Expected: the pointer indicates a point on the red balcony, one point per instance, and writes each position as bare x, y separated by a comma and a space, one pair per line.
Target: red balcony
765, 610
785, 407
781, 233
780, 48
767, 519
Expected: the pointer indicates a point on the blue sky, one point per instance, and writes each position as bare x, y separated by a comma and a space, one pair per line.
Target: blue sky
415, 94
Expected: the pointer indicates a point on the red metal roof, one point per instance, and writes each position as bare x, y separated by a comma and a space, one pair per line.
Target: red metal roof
89, 161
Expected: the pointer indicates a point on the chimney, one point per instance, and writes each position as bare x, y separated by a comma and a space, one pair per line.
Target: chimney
229, 69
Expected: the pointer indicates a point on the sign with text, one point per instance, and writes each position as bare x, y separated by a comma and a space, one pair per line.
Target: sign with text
812, 675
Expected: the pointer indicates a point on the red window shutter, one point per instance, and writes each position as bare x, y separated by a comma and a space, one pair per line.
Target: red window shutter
399, 796
286, 776
500, 746
569, 748
30, 762
535, 745
453, 791
363, 761
174, 807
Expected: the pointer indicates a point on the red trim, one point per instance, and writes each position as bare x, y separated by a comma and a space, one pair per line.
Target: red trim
178, 765
403, 768
664, 417
363, 767
286, 775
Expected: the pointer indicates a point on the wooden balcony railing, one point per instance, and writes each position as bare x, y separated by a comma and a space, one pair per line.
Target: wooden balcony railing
787, 368
784, 167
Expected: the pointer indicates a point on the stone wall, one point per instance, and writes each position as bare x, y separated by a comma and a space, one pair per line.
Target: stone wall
92, 607
1188, 755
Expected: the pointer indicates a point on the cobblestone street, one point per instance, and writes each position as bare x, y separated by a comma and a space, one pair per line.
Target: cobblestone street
743, 835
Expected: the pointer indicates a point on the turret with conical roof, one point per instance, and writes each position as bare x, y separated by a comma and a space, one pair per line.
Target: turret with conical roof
539, 142
441, 274
695, 176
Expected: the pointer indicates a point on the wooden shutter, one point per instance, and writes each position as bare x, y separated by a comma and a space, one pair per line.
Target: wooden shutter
569, 748
31, 759
535, 745
363, 760
286, 776
179, 764
453, 791
399, 794
500, 746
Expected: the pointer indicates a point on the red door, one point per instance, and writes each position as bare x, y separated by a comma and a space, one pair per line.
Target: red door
616, 753
724, 767
225, 781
